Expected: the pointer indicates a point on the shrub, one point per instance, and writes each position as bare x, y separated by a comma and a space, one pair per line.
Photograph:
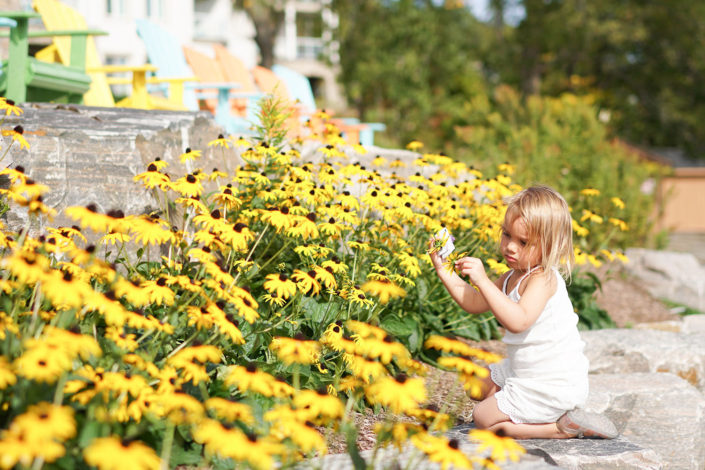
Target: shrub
562, 143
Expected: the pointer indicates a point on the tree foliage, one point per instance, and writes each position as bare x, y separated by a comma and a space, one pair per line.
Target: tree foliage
268, 18
641, 60
408, 62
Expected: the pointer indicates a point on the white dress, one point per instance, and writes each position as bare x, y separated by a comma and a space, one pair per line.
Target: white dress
545, 373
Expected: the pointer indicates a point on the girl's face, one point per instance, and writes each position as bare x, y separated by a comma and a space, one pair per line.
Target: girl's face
518, 254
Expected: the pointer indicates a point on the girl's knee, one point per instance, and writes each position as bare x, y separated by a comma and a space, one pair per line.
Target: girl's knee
486, 414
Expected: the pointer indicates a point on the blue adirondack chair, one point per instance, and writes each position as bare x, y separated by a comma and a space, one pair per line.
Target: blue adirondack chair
165, 51
300, 89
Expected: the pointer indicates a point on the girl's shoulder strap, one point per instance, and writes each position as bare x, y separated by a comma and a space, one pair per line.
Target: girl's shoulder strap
527, 274
506, 281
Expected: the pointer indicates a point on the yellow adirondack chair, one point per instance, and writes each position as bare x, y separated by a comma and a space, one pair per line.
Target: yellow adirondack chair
57, 16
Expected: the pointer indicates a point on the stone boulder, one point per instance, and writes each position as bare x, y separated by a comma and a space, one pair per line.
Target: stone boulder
635, 350
656, 411
678, 277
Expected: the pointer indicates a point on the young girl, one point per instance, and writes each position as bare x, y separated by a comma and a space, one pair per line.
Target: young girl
535, 391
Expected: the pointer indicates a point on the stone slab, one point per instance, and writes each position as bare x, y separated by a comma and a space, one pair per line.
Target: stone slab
675, 276
617, 453
656, 411
637, 350
411, 458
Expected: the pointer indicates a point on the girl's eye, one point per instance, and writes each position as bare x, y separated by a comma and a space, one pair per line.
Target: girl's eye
523, 242
505, 234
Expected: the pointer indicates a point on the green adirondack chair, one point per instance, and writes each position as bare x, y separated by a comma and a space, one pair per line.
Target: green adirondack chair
25, 78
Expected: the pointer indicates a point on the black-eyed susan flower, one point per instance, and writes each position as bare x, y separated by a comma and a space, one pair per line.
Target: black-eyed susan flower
235, 444
238, 236
158, 291
250, 379
7, 376
318, 406
220, 141
278, 218
43, 362
441, 450
280, 284
27, 267
230, 410
113, 453
150, 231
9, 107
303, 434
179, 408
334, 337
384, 289
189, 155
17, 136
153, 178
401, 393
188, 186
45, 422
304, 227
385, 349
296, 350
502, 448
306, 282
364, 369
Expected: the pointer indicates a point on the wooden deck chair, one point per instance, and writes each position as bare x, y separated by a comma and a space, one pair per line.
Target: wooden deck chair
23, 78
243, 103
300, 89
57, 16
270, 83
165, 51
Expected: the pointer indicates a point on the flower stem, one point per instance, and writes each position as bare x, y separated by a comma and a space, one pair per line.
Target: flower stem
167, 445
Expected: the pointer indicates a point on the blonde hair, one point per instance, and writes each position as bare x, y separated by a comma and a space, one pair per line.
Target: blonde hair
549, 225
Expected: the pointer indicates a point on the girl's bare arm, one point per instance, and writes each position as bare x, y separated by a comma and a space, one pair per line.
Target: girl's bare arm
463, 293
517, 317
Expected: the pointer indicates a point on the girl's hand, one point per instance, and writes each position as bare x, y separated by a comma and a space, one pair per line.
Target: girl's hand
473, 268
433, 253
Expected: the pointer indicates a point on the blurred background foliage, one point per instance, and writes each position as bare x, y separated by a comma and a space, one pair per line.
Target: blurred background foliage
558, 94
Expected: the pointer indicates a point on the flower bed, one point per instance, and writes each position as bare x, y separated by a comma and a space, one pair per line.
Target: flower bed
262, 306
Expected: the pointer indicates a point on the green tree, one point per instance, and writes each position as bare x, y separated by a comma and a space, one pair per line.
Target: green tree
410, 63
641, 60
268, 18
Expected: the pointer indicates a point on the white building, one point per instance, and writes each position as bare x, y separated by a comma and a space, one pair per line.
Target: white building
306, 36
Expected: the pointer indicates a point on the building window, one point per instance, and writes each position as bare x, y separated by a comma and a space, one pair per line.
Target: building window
154, 8
309, 25
115, 7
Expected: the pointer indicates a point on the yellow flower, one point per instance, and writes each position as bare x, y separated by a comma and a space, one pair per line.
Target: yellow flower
463, 365
578, 229
502, 448
401, 394
441, 450
414, 145
111, 453
221, 141
618, 223
189, 155
384, 289
318, 406
230, 410
17, 136
280, 284
591, 216
590, 192
296, 350
248, 378
617, 202
9, 107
